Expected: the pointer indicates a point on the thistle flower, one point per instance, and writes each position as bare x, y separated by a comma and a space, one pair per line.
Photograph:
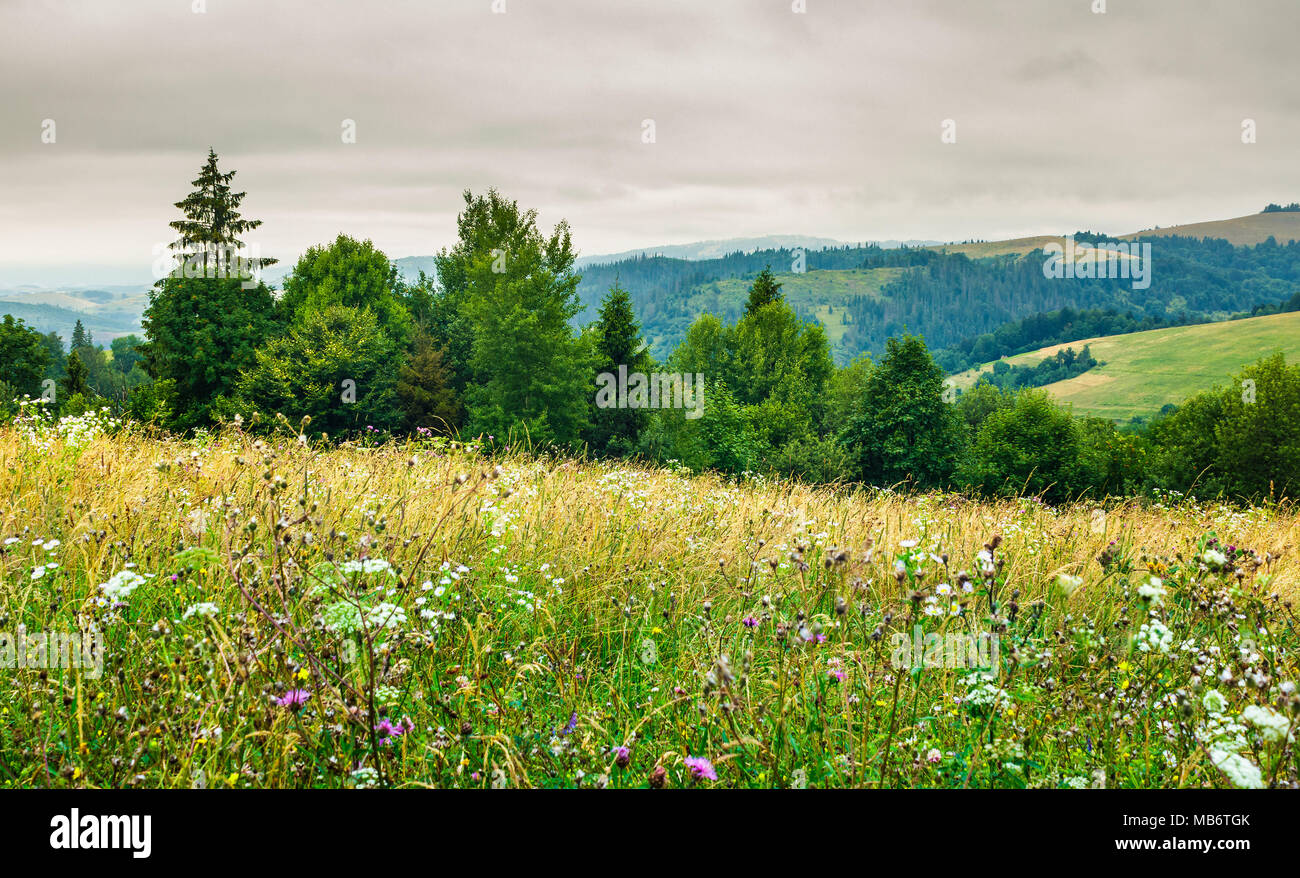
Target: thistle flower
294, 699
701, 768
388, 729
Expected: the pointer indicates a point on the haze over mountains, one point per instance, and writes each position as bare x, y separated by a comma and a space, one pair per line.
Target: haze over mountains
112, 298
859, 293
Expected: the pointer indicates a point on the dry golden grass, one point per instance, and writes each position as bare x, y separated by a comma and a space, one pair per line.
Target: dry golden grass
537, 674
606, 517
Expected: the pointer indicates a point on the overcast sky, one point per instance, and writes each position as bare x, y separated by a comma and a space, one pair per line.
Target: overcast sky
766, 121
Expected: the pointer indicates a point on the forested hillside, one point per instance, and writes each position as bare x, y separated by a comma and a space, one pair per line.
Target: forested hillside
948, 298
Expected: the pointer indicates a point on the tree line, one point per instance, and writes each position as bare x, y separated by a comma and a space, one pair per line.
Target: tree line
487, 348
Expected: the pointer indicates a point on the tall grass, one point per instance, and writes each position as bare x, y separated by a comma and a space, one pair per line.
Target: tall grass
275, 614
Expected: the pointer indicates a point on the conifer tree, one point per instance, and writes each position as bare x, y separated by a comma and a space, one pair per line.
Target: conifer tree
202, 331
764, 291
424, 388
80, 337
618, 343
76, 378
212, 219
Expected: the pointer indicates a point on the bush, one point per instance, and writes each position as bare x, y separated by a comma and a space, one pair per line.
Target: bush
817, 460
1032, 447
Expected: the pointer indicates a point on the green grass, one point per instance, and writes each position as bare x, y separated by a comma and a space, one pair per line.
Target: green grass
542, 622
1144, 371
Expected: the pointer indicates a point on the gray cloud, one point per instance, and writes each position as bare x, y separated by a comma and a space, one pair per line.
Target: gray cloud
824, 123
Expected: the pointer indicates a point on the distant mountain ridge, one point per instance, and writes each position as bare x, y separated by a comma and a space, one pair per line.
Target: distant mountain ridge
860, 294
700, 250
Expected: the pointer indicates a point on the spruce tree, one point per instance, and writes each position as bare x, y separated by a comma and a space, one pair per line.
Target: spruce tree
424, 388
80, 337
618, 343
76, 378
764, 291
212, 219
202, 331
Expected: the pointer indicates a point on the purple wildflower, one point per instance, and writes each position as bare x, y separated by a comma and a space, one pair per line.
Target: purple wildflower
749, 622
387, 730
294, 699
701, 768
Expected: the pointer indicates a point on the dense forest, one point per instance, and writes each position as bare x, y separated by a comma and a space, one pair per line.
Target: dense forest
487, 348
952, 300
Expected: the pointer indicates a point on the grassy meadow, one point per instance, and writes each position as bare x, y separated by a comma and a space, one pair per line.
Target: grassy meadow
1255, 228
277, 614
1143, 371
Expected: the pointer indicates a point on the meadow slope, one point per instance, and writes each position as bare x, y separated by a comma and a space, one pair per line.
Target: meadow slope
1255, 228
278, 614
1143, 371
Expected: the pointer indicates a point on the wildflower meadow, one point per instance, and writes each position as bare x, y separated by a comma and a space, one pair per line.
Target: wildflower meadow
271, 610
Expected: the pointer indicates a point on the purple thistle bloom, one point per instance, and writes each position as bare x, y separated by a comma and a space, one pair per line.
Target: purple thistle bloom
387, 730
701, 768
294, 699
622, 756
749, 622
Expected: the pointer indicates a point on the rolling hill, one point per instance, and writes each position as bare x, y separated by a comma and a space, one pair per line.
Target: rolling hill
1255, 228
1144, 371
1239, 231
106, 313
